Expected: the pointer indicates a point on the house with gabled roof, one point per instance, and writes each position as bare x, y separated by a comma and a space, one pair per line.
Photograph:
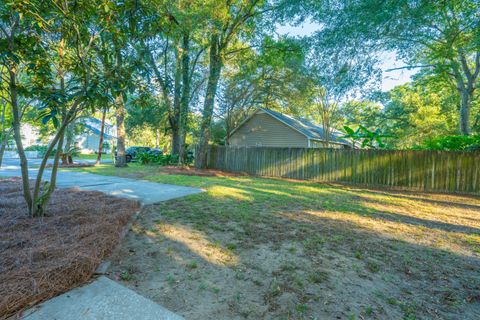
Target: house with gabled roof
268, 128
89, 138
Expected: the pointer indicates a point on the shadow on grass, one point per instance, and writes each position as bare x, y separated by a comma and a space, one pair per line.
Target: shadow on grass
217, 230
351, 205
420, 196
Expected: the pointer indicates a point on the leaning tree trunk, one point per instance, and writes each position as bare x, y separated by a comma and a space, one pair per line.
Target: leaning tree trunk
43, 190
121, 160
18, 137
213, 77
41, 201
102, 133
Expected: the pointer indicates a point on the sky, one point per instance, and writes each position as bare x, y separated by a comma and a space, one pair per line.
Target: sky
388, 59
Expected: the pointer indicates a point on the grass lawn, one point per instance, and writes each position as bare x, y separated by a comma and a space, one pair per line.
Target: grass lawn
266, 248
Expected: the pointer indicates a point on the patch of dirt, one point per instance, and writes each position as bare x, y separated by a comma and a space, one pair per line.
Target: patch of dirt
43, 257
332, 255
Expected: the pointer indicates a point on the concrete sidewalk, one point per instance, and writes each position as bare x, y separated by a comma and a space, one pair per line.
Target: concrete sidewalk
144, 191
15, 162
101, 299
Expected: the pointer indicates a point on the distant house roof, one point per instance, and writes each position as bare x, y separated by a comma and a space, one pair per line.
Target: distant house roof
94, 125
305, 127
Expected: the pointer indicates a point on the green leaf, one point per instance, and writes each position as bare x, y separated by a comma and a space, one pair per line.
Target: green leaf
46, 119
348, 130
55, 122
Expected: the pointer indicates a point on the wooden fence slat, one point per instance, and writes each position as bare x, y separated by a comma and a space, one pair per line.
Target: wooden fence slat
416, 170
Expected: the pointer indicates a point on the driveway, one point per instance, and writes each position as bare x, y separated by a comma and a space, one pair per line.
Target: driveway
15, 162
143, 191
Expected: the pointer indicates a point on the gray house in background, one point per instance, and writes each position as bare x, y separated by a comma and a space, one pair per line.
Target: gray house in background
88, 140
267, 128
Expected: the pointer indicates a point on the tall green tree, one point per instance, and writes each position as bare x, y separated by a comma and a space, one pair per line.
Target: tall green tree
172, 47
339, 74
39, 40
442, 37
120, 64
229, 20
354, 113
272, 75
416, 112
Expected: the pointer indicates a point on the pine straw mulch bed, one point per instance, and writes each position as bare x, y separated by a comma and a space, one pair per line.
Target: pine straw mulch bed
43, 257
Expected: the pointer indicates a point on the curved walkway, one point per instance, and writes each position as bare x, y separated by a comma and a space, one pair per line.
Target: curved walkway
144, 191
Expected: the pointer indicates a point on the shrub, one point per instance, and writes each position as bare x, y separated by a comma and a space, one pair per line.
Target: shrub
145, 157
453, 143
41, 149
168, 159
37, 147
160, 159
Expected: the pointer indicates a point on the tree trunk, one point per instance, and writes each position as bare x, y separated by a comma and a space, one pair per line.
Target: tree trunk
40, 202
465, 103
184, 108
100, 143
66, 155
121, 160
17, 135
175, 139
213, 77
229, 123
325, 124
3, 146
157, 138
40, 197
466, 80
175, 121
4, 134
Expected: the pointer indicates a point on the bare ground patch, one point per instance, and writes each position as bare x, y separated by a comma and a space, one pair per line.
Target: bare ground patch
43, 257
268, 249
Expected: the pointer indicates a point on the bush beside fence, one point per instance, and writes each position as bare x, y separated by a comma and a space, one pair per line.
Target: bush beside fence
417, 170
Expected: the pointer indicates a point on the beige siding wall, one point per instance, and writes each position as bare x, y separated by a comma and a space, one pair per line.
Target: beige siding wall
262, 130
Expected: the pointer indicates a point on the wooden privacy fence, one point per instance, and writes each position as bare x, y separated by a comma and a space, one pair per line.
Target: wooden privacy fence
417, 170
